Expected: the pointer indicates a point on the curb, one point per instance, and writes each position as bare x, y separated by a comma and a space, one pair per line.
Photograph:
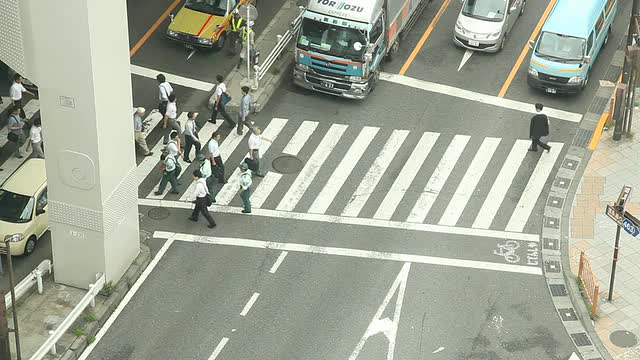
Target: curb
105, 309
562, 283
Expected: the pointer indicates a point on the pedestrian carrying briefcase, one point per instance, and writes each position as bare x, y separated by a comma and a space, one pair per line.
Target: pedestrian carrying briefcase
252, 164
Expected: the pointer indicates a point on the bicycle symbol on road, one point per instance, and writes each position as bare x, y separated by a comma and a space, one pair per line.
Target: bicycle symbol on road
508, 251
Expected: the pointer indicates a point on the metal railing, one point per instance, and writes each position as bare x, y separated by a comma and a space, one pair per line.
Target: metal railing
283, 42
89, 299
35, 277
589, 282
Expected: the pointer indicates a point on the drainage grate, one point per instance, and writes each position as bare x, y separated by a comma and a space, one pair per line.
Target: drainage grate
581, 339
598, 104
158, 213
287, 164
558, 290
582, 138
551, 266
568, 314
550, 244
623, 339
555, 202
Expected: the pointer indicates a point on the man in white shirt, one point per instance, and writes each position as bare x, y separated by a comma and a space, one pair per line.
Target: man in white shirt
191, 136
164, 90
138, 131
170, 122
205, 168
216, 159
200, 197
35, 135
219, 104
169, 167
15, 93
255, 141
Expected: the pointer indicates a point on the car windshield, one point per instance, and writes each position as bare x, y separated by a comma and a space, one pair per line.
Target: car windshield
331, 40
15, 208
213, 7
491, 10
560, 47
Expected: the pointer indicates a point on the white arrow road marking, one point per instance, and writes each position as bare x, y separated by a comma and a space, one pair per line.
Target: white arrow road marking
439, 349
465, 58
574, 356
191, 54
387, 326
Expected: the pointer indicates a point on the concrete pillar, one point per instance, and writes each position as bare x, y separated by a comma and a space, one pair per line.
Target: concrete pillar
77, 52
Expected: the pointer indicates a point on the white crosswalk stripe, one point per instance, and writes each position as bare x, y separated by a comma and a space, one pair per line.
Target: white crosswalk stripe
501, 185
342, 172
311, 168
271, 179
438, 179
533, 189
229, 190
375, 173
400, 186
469, 182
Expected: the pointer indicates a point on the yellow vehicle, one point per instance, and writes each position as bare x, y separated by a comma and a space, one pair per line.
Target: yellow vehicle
23, 208
203, 23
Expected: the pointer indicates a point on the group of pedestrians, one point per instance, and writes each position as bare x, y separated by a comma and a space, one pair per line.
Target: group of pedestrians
20, 128
209, 176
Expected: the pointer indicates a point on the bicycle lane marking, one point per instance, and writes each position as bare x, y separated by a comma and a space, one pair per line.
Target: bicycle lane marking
520, 253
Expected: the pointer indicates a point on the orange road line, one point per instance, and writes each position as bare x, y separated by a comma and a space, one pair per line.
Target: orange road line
153, 28
597, 133
525, 50
424, 38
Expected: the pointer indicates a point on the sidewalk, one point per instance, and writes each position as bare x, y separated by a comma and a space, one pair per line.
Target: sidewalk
611, 166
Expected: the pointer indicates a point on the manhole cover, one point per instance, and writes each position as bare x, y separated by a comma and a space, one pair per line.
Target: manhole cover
287, 164
623, 339
158, 213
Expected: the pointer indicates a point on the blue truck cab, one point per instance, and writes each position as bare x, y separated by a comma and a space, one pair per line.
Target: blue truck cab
569, 43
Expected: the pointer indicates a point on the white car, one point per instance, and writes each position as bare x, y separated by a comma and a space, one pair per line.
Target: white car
484, 25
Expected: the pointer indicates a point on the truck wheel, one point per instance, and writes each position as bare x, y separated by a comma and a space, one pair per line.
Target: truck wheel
374, 81
221, 41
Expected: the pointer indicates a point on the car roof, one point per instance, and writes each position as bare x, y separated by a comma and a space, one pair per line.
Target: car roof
573, 17
28, 179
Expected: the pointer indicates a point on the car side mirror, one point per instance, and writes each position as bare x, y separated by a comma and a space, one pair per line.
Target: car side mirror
171, 17
587, 59
532, 43
512, 9
40, 212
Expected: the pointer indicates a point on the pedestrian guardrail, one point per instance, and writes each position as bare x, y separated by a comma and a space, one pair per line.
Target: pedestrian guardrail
588, 282
283, 42
35, 277
89, 299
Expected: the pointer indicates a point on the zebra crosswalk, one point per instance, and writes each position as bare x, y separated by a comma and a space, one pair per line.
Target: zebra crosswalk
387, 175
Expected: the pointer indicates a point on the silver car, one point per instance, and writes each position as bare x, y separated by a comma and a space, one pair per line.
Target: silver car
484, 25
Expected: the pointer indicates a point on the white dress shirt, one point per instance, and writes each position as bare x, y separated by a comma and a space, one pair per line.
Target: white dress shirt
254, 142
16, 90
172, 110
214, 148
36, 134
220, 88
190, 129
200, 189
165, 90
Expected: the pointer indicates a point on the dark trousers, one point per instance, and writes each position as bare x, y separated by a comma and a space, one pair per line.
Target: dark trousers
168, 177
188, 143
225, 115
201, 208
242, 122
245, 195
535, 142
18, 103
234, 42
217, 170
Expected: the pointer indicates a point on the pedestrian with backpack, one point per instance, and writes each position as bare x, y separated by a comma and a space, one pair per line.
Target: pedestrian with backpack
170, 173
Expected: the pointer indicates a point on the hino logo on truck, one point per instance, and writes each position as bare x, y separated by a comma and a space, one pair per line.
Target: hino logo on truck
341, 5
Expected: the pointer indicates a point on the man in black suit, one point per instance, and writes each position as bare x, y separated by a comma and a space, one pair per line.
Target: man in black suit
538, 128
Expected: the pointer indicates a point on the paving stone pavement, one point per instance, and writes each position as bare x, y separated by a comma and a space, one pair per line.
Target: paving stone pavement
612, 165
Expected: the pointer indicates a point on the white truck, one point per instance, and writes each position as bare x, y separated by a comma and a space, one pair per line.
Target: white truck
341, 43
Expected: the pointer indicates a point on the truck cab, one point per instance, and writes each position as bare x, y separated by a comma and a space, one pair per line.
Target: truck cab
339, 47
